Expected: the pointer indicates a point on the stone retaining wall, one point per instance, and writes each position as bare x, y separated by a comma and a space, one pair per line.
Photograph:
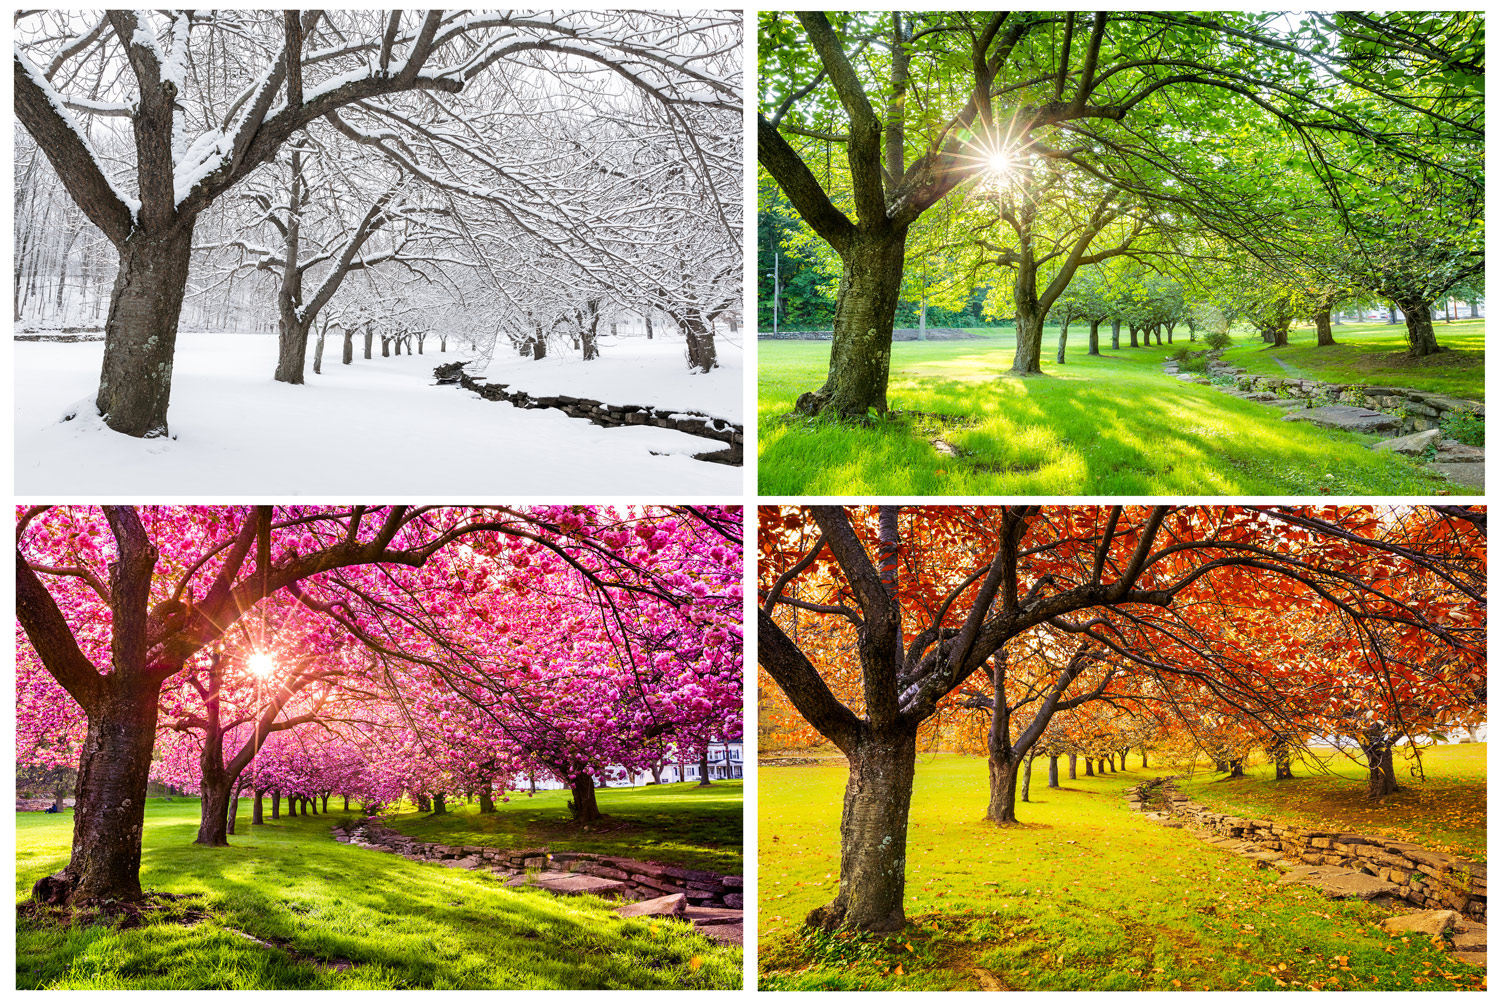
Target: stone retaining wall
1423, 878
609, 414
643, 879
1416, 410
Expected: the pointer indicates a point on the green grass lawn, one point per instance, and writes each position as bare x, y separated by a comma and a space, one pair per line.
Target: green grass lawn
404, 924
1105, 426
1444, 813
1082, 895
1375, 354
676, 824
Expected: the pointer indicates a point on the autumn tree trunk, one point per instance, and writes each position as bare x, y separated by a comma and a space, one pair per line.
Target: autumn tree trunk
859, 363
1380, 760
1088, 767
140, 333
1026, 779
1421, 339
1072, 767
587, 810
1144, 765
872, 858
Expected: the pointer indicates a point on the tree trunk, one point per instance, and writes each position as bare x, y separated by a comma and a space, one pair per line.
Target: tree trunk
369, 342
486, 800
257, 812
1029, 321
439, 804
584, 799
346, 803
442, 344
385, 347
1325, 328
1052, 781
140, 333
1144, 765
1420, 337
701, 353
291, 356
859, 363
1134, 332
1094, 337
1474, 307
872, 832
1062, 349
703, 769
648, 326
348, 357
234, 809
325, 802
1072, 767
1122, 760
1026, 779
1114, 334
318, 351
1237, 768
275, 804
109, 802
1380, 759
1088, 767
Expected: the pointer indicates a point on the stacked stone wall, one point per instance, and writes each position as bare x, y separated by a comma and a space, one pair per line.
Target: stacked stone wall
643, 879
1424, 878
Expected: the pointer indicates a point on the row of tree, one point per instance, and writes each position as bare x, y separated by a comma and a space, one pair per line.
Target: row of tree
369, 651
1270, 627
1034, 145
480, 163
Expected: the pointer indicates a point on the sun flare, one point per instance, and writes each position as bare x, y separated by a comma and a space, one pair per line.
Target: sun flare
261, 664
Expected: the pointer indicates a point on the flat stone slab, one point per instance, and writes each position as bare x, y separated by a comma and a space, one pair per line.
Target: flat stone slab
1473, 958
566, 884
1339, 883
724, 933
661, 906
1409, 444
1348, 418
1462, 473
1421, 922
706, 916
1449, 450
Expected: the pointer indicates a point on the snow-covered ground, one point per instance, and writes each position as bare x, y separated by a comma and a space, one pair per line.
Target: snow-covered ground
377, 427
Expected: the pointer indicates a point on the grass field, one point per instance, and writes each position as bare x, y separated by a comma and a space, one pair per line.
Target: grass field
402, 924
677, 824
1375, 354
1439, 813
1082, 895
1110, 426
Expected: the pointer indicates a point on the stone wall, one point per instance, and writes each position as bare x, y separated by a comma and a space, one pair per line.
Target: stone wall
643, 879
609, 414
1421, 877
1414, 409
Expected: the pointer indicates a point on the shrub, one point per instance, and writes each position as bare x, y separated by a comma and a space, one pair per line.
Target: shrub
1217, 340
1181, 354
1463, 426
1193, 365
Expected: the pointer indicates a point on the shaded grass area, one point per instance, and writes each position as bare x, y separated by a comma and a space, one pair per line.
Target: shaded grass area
1444, 812
1112, 425
677, 824
402, 925
1083, 895
1375, 354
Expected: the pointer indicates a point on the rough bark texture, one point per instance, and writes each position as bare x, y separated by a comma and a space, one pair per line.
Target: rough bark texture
1052, 781
1420, 337
1029, 320
583, 798
1094, 337
439, 804
1003, 774
213, 821
1072, 767
1062, 345
140, 334
291, 348
110, 803
872, 862
859, 363
257, 812
1322, 321
701, 353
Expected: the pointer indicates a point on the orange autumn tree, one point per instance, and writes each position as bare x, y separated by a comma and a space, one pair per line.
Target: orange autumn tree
917, 600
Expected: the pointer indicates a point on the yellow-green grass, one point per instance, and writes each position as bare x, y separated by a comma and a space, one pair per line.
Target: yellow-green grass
1374, 354
677, 824
1083, 895
1445, 812
1112, 425
403, 924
